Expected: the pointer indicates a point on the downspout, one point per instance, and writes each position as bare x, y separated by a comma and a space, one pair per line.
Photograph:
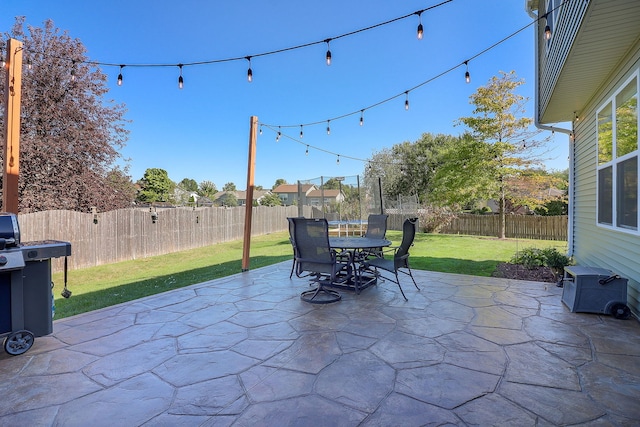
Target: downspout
538, 125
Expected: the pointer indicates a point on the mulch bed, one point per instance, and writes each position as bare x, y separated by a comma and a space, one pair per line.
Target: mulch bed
515, 271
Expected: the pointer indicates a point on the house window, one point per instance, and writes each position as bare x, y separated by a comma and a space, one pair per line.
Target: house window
617, 127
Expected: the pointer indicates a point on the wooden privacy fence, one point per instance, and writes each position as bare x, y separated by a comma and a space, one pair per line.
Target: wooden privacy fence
127, 234
517, 226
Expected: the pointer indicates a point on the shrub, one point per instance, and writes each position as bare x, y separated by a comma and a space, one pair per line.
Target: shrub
529, 258
534, 257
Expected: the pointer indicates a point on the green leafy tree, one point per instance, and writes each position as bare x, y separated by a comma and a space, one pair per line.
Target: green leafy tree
409, 168
490, 162
70, 133
229, 199
188, 184
270, 199
279, 181
156, 186
229, 186
207, 189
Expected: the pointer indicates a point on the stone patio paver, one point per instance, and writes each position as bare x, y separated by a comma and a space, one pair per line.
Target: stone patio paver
245, 350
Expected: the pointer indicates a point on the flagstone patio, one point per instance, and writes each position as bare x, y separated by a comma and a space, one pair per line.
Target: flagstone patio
246, 351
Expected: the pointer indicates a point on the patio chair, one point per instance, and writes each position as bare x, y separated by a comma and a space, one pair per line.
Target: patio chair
377, 229
400, 260
315, 256
293, 245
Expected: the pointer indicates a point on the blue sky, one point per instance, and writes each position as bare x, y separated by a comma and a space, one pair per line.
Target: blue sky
202, 131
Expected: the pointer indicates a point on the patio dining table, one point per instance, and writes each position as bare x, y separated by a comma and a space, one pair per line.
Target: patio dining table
357, 281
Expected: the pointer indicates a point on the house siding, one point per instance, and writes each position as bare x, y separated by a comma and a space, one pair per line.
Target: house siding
552, 57
595, 245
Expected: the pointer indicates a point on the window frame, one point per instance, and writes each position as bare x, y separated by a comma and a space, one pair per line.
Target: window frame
616, 164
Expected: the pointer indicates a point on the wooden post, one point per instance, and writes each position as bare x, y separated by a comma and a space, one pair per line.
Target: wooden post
246, 243
12, 91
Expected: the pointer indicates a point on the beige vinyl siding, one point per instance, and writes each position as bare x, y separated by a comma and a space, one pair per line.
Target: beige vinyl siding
596, 245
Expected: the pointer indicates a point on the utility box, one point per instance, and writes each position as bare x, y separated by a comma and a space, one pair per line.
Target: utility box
595, 290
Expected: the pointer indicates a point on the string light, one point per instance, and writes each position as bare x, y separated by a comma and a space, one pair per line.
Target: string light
420, 28
547, 28
406, 101
328, 52
306, 152
279, 134
301, 132
249, 71
338, 160
467, 76
328, 127
261, 129
3, 62
361, 117
73, 70
577, 118
120, 76
180, 79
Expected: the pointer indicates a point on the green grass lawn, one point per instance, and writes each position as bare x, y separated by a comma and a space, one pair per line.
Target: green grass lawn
107, 285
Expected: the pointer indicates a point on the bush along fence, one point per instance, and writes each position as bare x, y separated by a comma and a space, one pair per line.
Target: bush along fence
125, 234
517, 226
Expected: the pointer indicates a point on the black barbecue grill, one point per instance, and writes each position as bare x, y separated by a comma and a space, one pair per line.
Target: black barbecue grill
25, 286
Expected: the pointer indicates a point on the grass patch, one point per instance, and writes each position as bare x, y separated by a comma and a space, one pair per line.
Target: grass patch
111, 284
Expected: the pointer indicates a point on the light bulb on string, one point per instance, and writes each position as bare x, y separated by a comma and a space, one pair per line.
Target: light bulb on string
260, 130
306, 152
180, 78
361, 117
249, 71
301, 132
328, 127
406, 101
467, 76
328, 57
278, 135
120, 76
73, 70
420, 27
338, 160
547, 28
2, 61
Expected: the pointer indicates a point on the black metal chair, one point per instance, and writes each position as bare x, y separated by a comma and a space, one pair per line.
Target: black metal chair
293, 244
400, 257
315, 256
377, 229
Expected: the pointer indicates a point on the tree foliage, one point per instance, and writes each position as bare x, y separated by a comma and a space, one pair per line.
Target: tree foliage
491, 163
207, 189
70, 134
155, 186
278, 182
229, 186
270, 199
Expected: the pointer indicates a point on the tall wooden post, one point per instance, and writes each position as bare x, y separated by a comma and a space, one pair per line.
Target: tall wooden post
246, 243
12, 91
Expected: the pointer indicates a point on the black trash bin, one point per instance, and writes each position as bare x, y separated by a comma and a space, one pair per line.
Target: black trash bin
25, 286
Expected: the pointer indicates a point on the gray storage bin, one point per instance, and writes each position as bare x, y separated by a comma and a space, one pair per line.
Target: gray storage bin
595, 290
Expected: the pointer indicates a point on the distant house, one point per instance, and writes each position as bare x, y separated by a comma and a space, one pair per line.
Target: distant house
588, 74
319, 197
288, 193
240, 196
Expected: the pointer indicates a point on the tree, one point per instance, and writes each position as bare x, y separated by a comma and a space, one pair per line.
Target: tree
229, 199
409, 168
70, 134
501, 146
207, 189
278, 182
156, 186
270, 199
188, 184
229, 186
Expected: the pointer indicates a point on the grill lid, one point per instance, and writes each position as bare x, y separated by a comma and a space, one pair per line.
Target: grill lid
9, 230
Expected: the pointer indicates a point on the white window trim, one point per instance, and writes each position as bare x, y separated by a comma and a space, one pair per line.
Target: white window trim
616, 160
